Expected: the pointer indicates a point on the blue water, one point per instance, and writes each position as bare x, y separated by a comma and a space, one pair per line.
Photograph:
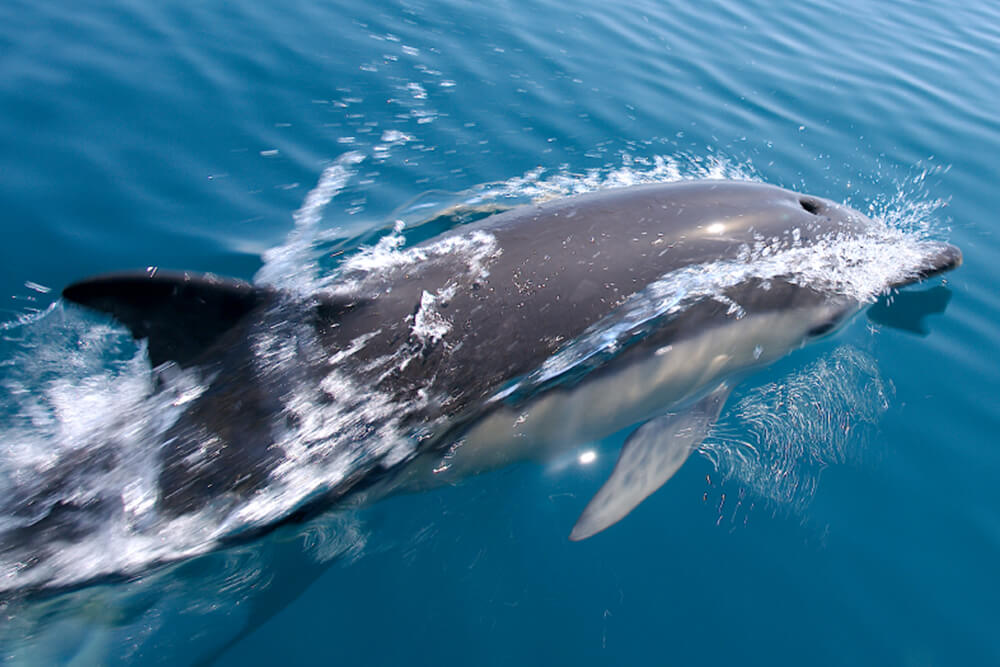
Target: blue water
189, 135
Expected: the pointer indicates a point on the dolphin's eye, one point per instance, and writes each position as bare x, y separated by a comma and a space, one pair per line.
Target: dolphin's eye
810, 205
821, 329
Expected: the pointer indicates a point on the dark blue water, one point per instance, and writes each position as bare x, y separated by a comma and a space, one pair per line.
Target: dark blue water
189, 135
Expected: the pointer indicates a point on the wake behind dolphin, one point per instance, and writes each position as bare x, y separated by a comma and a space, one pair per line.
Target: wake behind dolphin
514, 337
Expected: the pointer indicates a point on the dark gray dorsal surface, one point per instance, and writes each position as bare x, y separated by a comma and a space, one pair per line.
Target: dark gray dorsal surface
562, 266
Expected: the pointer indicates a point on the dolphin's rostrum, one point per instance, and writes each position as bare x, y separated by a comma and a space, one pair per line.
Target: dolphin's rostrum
531, 330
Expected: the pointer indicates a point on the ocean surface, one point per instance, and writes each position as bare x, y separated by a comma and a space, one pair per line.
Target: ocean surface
269, 141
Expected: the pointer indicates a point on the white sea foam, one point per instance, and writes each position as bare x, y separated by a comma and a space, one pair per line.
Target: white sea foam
370, 265
429, 324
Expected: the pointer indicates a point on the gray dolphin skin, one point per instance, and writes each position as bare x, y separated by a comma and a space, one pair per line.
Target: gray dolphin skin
521, 335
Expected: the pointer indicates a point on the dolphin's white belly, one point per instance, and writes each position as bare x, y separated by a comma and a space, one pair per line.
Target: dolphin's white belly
615, 398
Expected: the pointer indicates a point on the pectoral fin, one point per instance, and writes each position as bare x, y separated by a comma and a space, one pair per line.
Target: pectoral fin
651, 456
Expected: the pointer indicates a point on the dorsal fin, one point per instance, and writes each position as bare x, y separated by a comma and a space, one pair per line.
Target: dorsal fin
181, 314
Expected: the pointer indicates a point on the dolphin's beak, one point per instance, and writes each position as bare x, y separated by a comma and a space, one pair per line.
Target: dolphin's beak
941, 257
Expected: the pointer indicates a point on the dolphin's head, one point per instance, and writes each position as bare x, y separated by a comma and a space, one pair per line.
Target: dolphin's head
815, 258
709, 220
921, 260
934, 257
938, 258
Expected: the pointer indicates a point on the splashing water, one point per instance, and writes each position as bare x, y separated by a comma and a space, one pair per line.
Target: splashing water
292, 265
633, 171
778, 438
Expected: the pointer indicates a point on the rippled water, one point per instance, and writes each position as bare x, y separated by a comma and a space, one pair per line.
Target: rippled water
858, 527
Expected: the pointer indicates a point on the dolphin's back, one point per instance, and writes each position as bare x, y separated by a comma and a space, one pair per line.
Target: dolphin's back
555, 269
437, 329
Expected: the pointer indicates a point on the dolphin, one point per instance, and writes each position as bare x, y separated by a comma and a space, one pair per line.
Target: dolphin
515, 337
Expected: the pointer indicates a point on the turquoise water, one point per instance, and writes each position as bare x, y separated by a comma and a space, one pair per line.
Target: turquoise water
190, 135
